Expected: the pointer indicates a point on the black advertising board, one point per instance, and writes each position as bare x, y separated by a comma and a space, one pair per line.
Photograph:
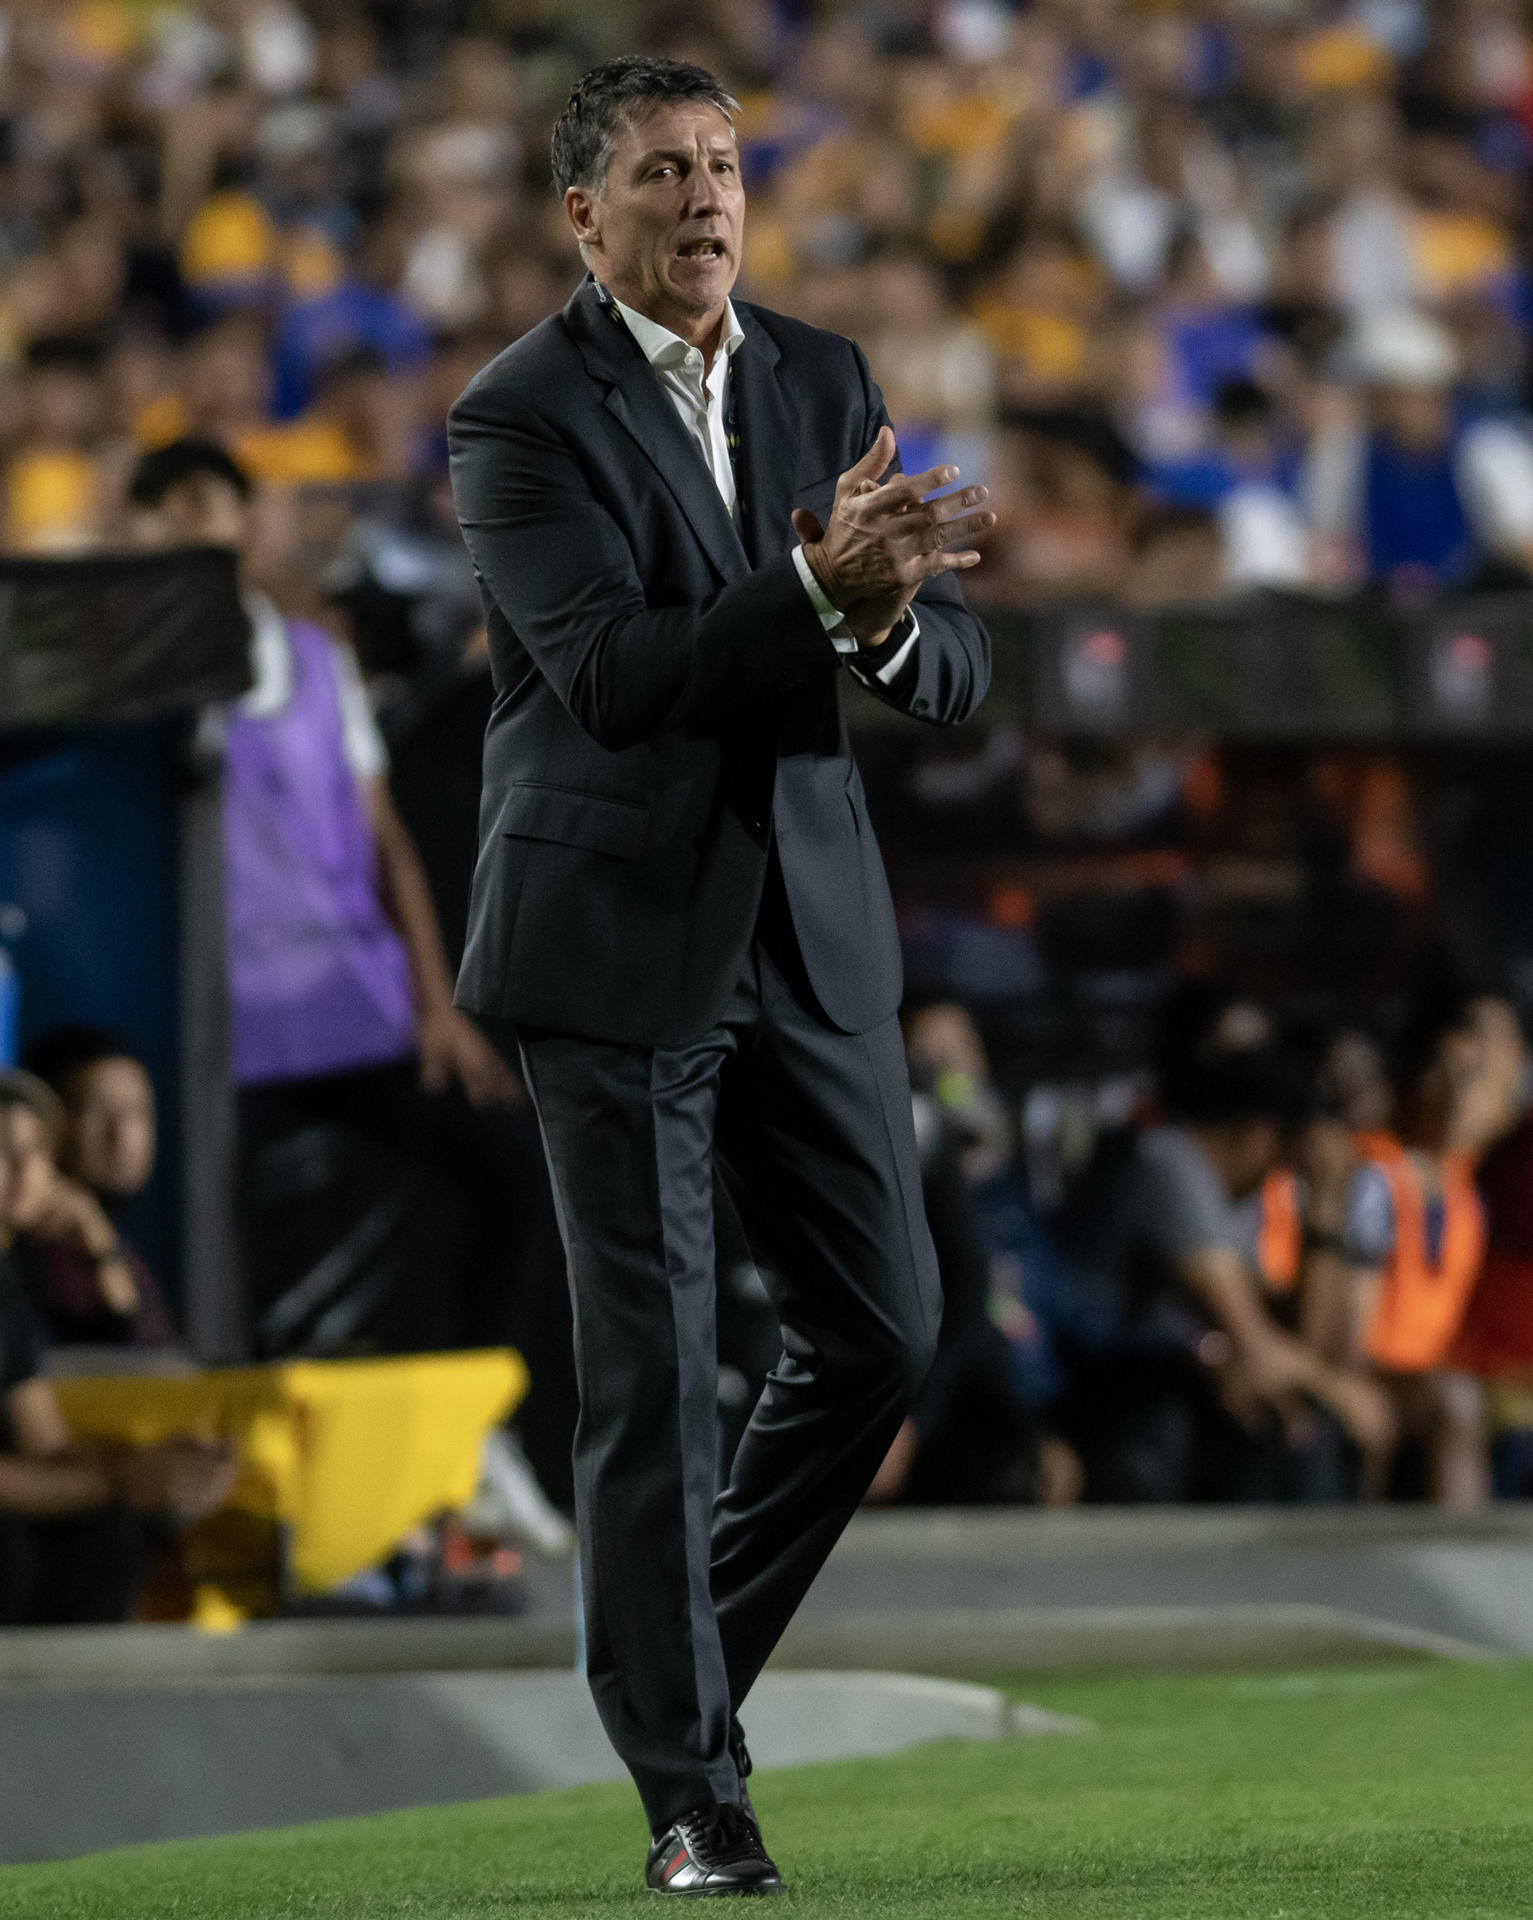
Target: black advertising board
1269, 666
112, 638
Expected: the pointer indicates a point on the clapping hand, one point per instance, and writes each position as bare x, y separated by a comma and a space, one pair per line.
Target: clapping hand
884, 539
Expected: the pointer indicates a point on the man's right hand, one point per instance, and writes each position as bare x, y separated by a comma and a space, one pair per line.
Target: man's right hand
884, 539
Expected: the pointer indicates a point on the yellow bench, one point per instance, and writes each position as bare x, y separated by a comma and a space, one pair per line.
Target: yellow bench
339, 1459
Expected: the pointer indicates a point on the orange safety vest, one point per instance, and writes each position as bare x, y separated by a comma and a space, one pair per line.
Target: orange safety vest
1420, 1305
1280, 1237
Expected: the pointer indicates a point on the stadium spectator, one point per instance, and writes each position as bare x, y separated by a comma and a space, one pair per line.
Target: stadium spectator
1200, 1393
1261, 523
970, 1436
1415, 1239
1030, 1298
76, 1523
1062, 496
1429, 503
96, 1150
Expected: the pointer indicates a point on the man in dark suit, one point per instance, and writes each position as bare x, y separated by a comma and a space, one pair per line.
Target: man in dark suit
681, 521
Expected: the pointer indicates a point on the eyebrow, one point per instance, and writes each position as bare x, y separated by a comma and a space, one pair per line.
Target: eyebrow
683, 154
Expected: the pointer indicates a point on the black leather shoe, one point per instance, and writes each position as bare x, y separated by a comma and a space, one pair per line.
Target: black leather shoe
710, 1852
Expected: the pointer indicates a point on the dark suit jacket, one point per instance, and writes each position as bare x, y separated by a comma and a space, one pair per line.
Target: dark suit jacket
666, 696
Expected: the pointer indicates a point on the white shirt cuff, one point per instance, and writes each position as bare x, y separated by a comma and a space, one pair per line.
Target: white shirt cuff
832, 619
902, 653
842, 638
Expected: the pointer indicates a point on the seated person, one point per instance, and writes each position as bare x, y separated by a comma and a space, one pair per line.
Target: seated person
76, 1522
970, 1438
1030, 1299
1415, 1241
88, 1282
1200, 1393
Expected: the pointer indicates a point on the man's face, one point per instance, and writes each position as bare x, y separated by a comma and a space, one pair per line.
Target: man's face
663, 229
111, 1126
202, 511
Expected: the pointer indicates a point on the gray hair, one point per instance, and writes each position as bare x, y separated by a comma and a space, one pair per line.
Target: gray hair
609, 97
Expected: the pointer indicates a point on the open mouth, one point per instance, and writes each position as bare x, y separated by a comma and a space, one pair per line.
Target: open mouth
702, 250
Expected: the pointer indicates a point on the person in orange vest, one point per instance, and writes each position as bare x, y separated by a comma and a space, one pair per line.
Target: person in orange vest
1410, 1248
1300, 1241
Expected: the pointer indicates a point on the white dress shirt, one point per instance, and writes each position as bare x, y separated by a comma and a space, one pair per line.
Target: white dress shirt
701, 403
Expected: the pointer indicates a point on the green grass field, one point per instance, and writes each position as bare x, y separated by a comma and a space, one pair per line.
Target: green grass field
1391, 1790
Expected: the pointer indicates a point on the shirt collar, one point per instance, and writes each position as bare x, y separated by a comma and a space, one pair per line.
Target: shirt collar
662, 348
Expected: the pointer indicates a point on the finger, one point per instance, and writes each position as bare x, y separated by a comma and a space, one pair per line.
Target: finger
874, 464
806, 526
916, 515
908, 488
954, 506
930, 565
961, 532
434, 1073
925, 537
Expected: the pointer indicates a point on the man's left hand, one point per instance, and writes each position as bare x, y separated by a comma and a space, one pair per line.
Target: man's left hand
453, 1048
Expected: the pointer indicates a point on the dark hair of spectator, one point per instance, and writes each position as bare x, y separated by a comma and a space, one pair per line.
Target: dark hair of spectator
607, 98
1440, 1011
167, 468
1242, 403
1248, 1084
64, 353
1086, 430
63, 1051
351, 363
1170, 520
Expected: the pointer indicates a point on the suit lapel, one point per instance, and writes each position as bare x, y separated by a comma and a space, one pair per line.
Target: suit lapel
636, 399
768, 426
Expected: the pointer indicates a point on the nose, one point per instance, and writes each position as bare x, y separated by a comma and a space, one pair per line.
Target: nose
707, 192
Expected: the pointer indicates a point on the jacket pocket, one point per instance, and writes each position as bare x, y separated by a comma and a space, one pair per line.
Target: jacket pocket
590, 821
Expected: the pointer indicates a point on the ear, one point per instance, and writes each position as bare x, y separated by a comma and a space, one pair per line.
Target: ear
580, 206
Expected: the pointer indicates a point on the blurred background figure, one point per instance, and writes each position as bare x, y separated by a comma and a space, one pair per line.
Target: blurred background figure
99, 1141
77, 1524
339, 989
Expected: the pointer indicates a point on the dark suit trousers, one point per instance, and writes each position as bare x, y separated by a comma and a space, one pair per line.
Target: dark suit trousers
687, 1590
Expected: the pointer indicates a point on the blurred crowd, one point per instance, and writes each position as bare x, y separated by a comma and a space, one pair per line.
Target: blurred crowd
1297, 1270
1212, 294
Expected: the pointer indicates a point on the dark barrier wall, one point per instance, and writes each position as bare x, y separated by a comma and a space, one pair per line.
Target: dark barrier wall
1267, 667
